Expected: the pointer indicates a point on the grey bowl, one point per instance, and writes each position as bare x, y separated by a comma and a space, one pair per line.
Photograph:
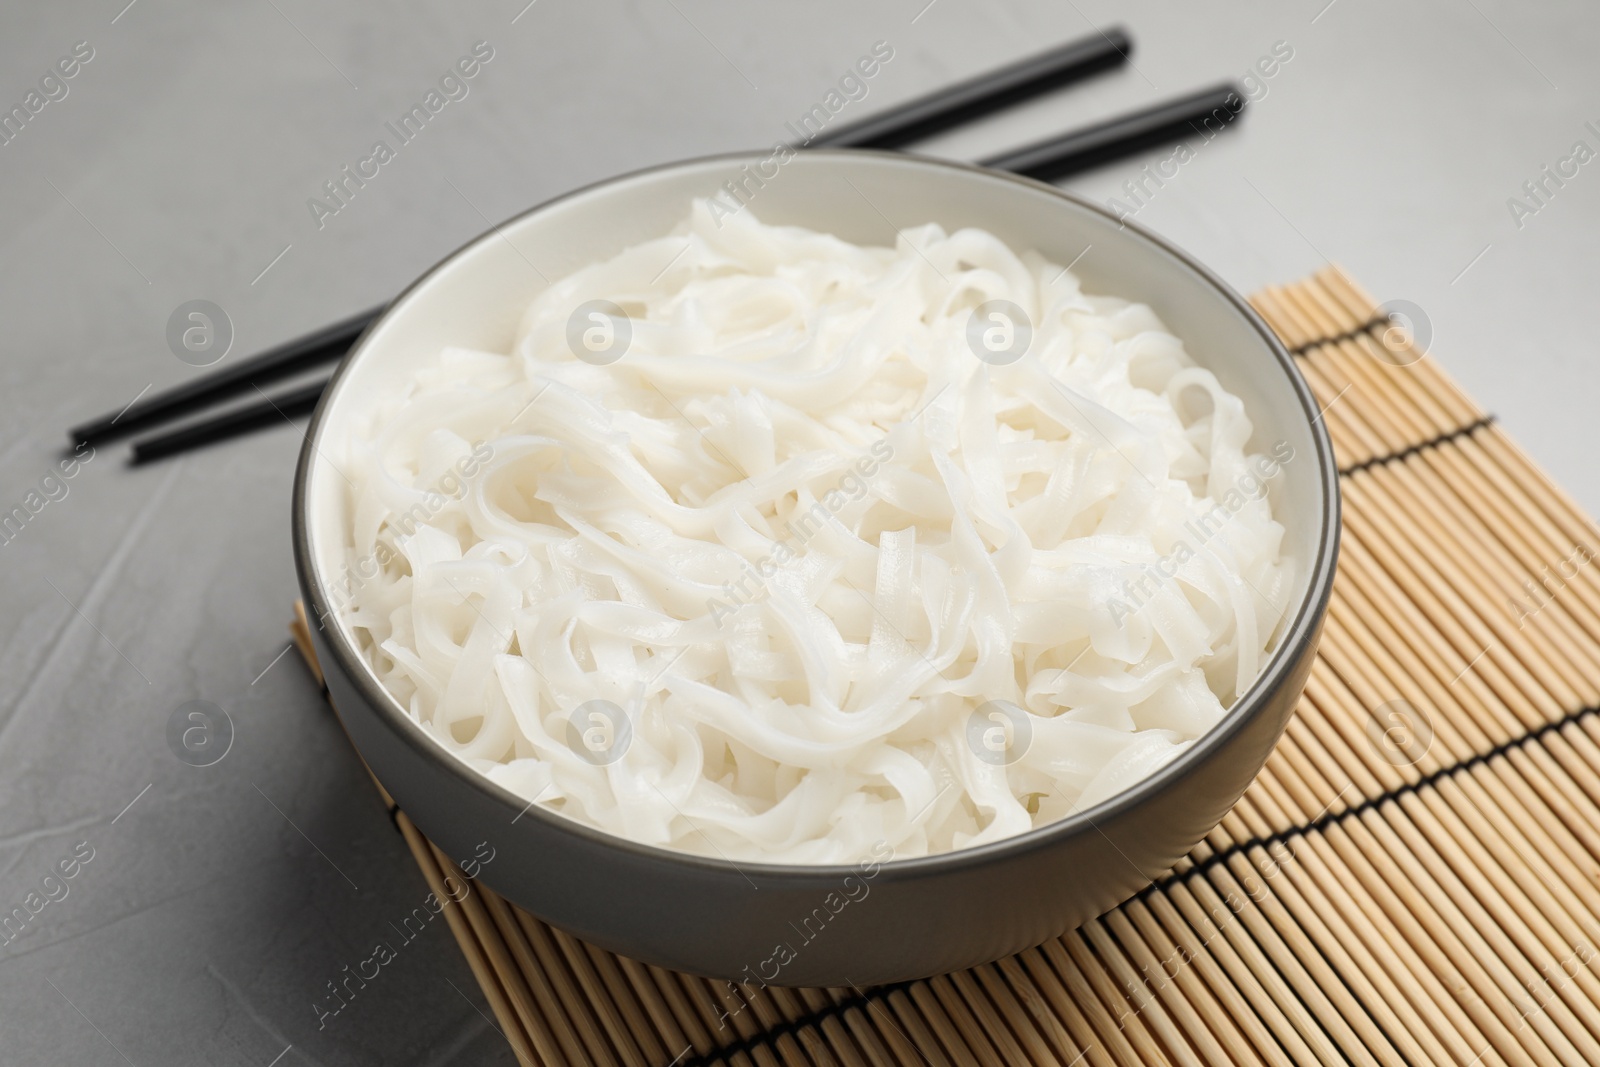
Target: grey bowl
836, 925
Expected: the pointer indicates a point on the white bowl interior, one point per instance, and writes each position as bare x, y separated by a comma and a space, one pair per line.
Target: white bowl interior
476, 297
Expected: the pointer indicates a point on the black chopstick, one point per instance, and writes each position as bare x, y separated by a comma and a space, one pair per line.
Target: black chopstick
323, 346
987, 92
266, 412
917, 118
1204, 112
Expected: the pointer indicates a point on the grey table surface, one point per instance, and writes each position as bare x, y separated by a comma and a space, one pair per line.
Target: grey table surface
219, 901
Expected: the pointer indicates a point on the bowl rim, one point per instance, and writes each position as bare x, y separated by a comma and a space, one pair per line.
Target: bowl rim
1280, 666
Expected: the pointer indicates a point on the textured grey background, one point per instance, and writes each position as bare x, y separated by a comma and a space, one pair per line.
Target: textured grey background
178, 167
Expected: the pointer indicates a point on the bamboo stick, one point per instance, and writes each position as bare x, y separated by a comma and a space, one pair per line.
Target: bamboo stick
1123, 1034
529, 1047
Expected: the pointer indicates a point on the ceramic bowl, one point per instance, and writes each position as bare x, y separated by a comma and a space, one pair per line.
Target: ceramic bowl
783, 924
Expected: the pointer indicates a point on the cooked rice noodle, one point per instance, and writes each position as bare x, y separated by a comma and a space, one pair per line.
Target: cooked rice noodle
801, 536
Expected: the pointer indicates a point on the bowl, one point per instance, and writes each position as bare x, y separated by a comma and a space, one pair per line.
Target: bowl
881, 920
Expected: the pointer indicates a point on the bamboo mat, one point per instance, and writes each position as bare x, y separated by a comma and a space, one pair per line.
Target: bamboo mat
1412, 879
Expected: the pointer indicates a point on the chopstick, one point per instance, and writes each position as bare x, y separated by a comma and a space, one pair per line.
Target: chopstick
1123, 135
988, 92
322, 346
267, 411
911, 120
917, 118
1114, 138
1070, 153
